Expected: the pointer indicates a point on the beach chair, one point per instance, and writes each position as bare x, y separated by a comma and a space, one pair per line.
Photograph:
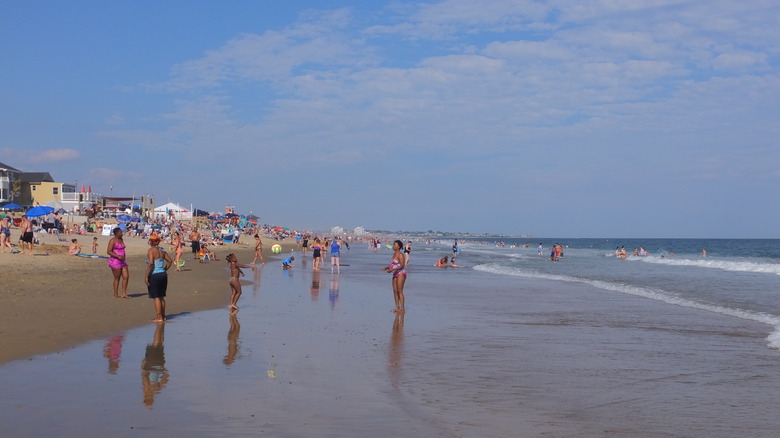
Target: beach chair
59, 235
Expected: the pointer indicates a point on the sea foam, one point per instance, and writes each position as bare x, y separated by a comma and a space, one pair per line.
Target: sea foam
773, 339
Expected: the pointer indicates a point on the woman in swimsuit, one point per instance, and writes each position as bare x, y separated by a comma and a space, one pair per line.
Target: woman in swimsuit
316, 252
177, 249
397, 268
116, 261
441, 263
157, 264
407, 251
5, 234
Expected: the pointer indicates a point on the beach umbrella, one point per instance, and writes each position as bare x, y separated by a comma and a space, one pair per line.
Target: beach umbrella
12, 206
123, 218
40, 210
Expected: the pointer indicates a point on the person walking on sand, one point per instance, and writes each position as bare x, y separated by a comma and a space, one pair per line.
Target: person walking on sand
5, 234
116, 261
178, 249
258, 249
157, 264
235, 273
397, 268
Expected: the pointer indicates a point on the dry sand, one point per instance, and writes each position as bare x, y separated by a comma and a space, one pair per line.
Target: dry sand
52, 300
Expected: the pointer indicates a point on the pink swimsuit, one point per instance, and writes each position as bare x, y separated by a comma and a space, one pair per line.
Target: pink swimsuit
115, 263
395, 264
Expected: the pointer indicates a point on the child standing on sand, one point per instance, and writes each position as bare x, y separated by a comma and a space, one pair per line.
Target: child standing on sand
235, 285
94, 245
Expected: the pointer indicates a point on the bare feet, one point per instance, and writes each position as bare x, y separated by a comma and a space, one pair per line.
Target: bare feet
233, 306
157, 320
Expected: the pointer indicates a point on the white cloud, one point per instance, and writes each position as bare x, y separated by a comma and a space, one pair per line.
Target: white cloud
320, 42
740, 60
34, 157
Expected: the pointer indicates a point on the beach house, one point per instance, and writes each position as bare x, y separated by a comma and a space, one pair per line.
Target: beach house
10, 183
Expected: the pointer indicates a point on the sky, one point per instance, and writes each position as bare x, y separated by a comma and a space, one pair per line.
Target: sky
602, 118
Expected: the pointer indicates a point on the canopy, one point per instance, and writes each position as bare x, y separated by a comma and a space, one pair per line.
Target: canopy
178, 211
12, 206
57, 205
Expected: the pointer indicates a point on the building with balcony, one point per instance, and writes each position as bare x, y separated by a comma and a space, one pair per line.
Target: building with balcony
10, 184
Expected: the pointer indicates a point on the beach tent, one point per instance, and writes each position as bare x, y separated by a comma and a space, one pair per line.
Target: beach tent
178, 211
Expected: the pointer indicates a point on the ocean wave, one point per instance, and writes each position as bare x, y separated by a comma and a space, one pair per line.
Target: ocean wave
773, 339
725, 265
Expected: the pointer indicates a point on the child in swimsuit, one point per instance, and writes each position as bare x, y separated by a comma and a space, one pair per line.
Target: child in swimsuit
74, 247
235, 285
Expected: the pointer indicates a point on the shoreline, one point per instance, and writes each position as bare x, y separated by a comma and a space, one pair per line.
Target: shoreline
53, 301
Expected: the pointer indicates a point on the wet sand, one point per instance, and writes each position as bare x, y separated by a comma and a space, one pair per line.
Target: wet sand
315, 354
52, 300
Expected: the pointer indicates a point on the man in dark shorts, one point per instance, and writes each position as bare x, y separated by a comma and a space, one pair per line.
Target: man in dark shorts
195, 241
27, 235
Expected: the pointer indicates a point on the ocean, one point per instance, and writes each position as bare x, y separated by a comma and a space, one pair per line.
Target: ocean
737, 277
511, 345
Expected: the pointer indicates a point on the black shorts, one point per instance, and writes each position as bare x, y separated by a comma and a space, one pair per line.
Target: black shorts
27, 237
158, 285
195, 246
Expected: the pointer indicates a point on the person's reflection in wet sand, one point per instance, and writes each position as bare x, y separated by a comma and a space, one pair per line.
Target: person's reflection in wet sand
333, 293
395, 355
256, 285
154, 376
315, 285
232, 337
113, 352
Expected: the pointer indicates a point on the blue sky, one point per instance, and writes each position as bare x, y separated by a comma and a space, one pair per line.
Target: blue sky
654, 118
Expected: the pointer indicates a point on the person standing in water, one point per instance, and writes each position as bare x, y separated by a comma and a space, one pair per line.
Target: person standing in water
258, 250
157, 264
335, 255
397, 268
235, 285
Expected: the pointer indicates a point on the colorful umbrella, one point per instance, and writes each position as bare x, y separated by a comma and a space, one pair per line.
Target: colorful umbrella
12, 206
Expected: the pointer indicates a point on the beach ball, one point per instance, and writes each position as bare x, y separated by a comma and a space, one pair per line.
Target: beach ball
276, 249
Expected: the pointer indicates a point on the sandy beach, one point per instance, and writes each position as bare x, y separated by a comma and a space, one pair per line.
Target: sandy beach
52, 300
